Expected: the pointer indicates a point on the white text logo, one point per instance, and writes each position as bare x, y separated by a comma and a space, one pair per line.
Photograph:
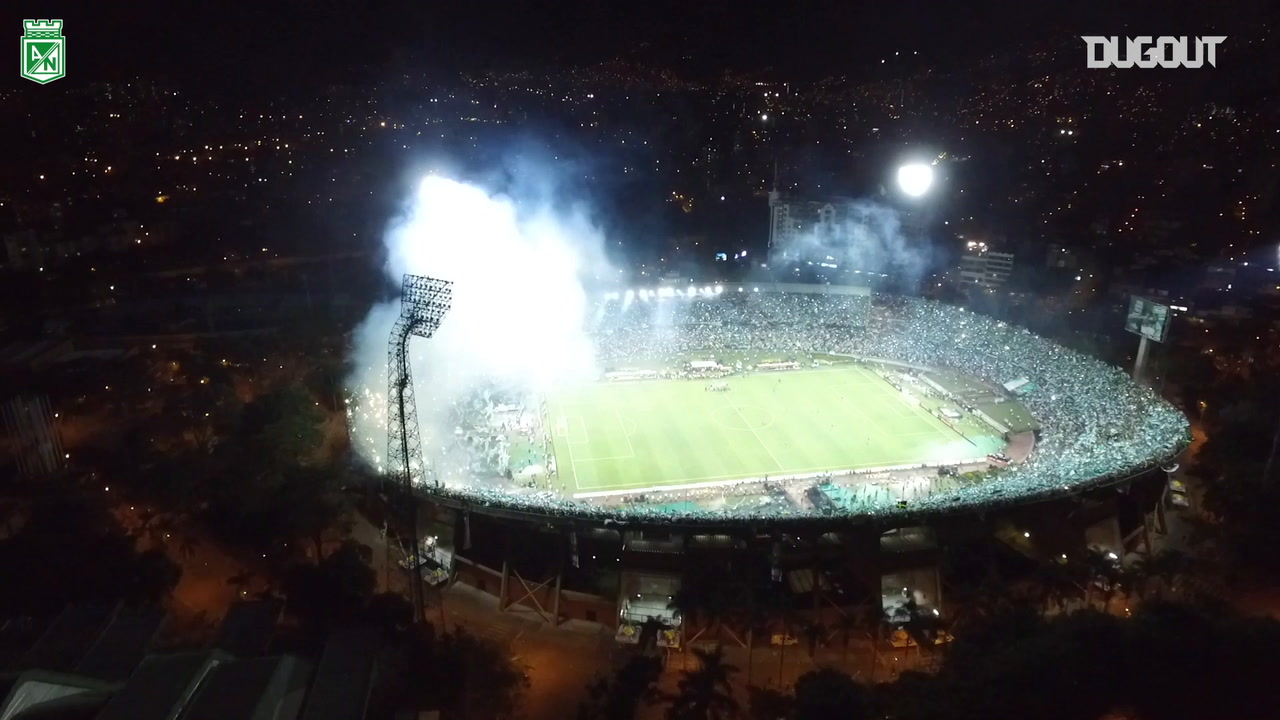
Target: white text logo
1143, 51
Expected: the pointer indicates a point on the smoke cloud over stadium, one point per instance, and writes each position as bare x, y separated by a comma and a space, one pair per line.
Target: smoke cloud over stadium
859, 235
516, 252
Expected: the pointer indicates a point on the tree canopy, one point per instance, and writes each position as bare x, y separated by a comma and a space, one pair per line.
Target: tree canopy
69, 548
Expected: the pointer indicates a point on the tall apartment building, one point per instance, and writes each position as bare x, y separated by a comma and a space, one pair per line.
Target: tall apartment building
982, 267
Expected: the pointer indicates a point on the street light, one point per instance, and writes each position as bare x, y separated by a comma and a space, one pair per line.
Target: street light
915, 179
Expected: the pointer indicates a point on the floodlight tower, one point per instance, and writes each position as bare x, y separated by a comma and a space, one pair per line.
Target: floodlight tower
915, 179
424, 302
915, 198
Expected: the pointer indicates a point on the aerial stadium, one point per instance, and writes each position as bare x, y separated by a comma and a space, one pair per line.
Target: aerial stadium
571, 426
718, 404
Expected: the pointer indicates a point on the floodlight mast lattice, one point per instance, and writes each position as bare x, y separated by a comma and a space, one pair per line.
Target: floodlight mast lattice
424, 302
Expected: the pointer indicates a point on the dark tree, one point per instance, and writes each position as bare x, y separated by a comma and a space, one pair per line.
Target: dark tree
332, 594
830, 693
1166, 663
70, 548
281, 429
1243, 425
621, 696
706, 692
769, 704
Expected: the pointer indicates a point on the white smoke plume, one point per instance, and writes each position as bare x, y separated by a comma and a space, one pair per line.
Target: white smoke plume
861, 235
516, 256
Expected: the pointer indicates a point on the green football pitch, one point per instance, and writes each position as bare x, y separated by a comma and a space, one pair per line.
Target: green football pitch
612, 438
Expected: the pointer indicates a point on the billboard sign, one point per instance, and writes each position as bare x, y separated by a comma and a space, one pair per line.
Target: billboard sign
1147, 318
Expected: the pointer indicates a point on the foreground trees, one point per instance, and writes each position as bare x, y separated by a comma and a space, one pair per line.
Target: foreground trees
705, 693
1239, 466
419, 667
1087, 664
620, 697
69, 548
252, 478
1166, 662
461, 675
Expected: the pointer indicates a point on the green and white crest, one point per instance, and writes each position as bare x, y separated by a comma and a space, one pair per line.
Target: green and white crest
44, 51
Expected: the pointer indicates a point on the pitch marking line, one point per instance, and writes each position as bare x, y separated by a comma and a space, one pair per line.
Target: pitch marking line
631, 450
573, 466
575, 430
940, 427
724, 423
929, 419
743, 418
867, 422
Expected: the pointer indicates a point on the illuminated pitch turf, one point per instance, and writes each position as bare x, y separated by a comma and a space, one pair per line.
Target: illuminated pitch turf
664, 434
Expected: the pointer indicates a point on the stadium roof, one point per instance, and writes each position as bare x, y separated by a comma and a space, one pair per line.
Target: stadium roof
344, 676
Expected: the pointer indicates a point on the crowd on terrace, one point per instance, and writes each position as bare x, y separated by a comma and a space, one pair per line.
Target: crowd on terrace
760, 323
1096, 424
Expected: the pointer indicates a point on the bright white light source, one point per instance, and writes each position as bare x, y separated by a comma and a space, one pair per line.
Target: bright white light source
915, 179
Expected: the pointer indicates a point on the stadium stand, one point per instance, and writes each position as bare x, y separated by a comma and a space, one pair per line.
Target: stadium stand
1094, 425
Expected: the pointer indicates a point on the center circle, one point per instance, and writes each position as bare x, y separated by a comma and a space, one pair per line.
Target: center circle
744, 417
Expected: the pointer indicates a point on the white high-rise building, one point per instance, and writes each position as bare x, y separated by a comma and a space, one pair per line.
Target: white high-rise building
982, 267
794, 218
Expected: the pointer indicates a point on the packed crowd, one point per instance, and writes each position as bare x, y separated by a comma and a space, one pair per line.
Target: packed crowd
784, 324
1097, 426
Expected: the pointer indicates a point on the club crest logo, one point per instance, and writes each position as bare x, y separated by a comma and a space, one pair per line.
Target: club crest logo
44, 51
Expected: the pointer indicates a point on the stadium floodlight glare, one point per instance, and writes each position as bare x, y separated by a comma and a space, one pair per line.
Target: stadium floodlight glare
719, 289
631, 295
915, 179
